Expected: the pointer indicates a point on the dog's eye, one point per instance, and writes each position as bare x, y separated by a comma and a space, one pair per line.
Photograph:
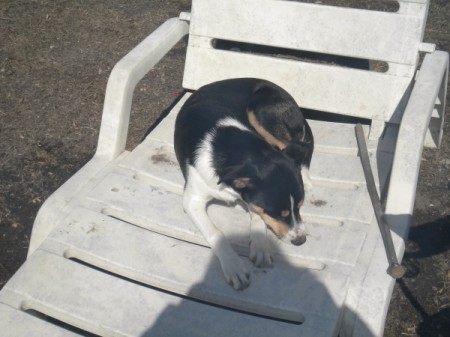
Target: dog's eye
285, 213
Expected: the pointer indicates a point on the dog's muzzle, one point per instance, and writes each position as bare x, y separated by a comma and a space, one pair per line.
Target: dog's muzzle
296, 236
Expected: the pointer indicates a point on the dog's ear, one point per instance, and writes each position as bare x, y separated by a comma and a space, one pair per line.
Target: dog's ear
239, 177
298, 152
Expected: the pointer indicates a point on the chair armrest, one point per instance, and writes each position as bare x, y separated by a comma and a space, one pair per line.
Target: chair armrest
123, 79
413, 128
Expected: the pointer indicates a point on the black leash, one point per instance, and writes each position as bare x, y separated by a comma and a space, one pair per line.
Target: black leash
395, 269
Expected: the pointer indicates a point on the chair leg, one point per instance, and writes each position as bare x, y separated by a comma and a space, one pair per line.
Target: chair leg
435, 130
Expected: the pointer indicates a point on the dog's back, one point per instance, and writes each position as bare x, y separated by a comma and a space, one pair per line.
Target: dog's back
262, 107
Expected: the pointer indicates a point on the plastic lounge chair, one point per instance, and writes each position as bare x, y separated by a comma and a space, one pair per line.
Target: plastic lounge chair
113, 254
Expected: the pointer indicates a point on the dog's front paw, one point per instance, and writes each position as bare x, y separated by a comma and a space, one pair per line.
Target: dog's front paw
235, 272
260, 253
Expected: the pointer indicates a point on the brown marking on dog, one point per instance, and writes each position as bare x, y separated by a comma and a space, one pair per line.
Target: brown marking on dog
278, 227
241, 183
258, 210
285, 213
263, 132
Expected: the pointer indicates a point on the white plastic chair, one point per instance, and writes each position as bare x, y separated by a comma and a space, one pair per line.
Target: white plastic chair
112, 252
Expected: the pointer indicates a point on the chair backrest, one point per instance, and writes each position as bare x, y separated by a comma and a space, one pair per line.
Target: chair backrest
320, 30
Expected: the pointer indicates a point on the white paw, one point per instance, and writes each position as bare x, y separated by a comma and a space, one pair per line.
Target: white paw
260, 253
235, 272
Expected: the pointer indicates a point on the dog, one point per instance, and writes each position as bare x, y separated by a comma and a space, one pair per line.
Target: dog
244, 139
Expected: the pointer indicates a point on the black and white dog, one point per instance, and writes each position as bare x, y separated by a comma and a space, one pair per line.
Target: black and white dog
244, 139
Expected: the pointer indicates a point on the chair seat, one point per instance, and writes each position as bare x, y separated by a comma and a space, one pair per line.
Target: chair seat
127, 261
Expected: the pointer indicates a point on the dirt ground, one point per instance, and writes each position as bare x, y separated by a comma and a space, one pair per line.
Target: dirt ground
55, 58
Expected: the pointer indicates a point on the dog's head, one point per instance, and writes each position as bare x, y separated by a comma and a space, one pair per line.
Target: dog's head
274, 191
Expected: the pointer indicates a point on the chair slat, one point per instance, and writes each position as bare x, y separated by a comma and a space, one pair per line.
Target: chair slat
321, 87
374, 35
109, 306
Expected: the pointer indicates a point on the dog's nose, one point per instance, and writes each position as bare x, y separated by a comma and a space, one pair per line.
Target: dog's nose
299, 240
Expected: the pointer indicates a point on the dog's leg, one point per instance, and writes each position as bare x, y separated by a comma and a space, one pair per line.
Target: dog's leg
195, 201
260, 253
233, 268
